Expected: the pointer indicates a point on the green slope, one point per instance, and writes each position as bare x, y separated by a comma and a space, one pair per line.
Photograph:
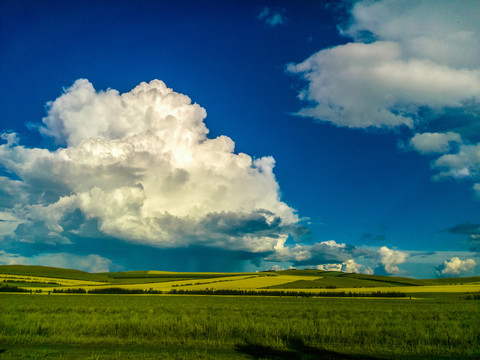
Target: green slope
126, 277
51, 272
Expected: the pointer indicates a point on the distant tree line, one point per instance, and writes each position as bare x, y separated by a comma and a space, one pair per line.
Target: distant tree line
212, 291
284, 293
114, 290
30, 282
473, 297
70, 291
7, 288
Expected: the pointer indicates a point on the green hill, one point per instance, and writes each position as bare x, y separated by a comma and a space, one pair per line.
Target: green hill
125, 277
51, 272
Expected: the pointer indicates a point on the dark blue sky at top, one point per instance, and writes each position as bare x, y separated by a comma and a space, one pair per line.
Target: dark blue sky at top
354, 186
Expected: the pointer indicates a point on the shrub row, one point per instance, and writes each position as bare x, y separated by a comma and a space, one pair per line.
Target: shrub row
7, 288
283, 293
70, 291
212, 291
114, 290
473, 297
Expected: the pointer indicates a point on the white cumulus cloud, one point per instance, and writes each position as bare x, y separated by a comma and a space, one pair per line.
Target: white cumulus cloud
349, 266
463, 164
329, 267
391, 258
455, 267
406, 56
440, 30
434, 142
412, 63
142, 166
372, 85
311, 254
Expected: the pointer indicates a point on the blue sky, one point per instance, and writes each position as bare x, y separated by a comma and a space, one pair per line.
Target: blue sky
330, 135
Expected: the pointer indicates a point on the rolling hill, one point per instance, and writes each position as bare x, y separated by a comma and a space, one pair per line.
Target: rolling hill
36, 278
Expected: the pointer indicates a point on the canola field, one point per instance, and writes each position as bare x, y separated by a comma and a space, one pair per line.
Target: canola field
31, 281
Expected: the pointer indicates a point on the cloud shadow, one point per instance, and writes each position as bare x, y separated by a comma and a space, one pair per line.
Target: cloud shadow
297, 350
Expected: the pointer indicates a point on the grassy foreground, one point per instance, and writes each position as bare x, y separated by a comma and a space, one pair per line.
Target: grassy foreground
213, 327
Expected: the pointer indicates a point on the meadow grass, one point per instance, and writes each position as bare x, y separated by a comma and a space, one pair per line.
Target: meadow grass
229, 327
440, 324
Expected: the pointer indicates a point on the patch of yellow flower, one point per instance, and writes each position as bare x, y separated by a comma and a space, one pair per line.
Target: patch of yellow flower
250, 283
464, 288
41, 279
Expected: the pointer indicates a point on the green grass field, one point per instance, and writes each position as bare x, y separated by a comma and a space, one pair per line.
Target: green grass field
427, 324
154, 327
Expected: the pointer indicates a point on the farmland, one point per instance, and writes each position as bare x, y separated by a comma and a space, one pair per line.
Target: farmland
434, 320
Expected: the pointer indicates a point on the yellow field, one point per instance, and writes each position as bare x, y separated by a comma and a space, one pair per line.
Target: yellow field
405, 289
243, 282
65, 282
184, 284
251, 283
155, 272
246, 281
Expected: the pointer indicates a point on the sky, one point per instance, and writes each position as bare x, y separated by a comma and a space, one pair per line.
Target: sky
241, 135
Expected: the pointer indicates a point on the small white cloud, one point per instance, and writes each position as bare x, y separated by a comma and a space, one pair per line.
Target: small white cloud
10, 137
273, 17
349, 266
367, 270
455, 267
463, 164
391, 258
310, 254
330, 267
434, 142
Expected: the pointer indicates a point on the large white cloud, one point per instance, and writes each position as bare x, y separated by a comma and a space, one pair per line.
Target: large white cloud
405, 56
141, 164
456, 267
373, 85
